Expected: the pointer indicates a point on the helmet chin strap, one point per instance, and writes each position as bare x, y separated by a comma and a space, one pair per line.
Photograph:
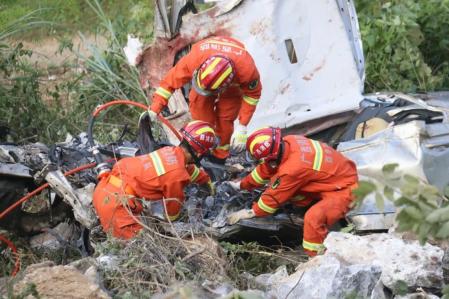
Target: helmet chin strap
281, 153
195, 157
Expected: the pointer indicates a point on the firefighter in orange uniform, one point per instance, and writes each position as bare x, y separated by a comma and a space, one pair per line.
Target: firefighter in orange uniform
304, 172
226, 85
160, 175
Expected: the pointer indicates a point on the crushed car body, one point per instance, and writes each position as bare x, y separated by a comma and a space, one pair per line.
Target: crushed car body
312, 71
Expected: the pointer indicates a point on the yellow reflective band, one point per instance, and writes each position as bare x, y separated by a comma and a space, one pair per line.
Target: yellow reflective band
157, 162
195, 174
222, 78
204, 130
312, 246
213, 41
298, 198
223, 147
256, 177
210, 68
318, 160
251, 101
115, 181
163, 93
258, 139
264, 207
174, 217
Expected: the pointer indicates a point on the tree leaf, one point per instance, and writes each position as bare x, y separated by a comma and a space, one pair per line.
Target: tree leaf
380, 202
389, 193
389, 168
364, 189
411, 179
413, 212
443, 232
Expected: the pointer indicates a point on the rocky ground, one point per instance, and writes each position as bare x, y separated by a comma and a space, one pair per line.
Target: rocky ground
376, 266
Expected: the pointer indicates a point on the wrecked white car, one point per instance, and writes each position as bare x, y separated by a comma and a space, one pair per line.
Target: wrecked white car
314, 68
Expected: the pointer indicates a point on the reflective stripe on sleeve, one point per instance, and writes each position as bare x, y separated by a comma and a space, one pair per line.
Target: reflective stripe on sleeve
195, 174
163, 93
312, 246
157, 162
174, 217
223, 147
257, 178
251, 101
264, 207
318, 160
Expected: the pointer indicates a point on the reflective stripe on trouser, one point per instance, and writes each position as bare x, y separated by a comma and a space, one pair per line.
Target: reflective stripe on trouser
220, 115
332, 207
114, 217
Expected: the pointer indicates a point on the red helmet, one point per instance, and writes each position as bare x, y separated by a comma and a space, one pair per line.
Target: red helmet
214, 75
264, 144
200, 136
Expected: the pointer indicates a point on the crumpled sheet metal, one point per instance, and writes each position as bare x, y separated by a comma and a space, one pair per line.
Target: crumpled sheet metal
80, 199
397, 144
420, 149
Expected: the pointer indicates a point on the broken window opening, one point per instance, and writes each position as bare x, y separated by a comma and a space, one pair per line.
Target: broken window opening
291, 51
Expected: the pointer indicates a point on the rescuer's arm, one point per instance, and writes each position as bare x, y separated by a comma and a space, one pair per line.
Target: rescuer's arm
176, 77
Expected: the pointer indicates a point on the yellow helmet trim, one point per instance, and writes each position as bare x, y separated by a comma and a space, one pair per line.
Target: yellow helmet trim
258, 139
210, 68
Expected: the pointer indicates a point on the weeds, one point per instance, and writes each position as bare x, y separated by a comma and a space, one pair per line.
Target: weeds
154, 261
405, 44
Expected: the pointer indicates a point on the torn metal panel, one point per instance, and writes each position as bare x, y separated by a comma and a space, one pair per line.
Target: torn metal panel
17, 169
397, 144
349, 16
300, 58
79, 200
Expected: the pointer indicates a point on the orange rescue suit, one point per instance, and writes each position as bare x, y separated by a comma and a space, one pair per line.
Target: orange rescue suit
239, 100
310, 173
155, 176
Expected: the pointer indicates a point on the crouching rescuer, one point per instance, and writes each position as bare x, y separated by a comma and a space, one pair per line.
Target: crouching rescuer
160, 175
304, 172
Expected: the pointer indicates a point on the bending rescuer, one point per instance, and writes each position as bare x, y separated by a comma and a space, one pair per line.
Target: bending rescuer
226, 86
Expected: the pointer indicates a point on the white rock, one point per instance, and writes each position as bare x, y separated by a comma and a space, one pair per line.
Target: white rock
407, 261
327, 277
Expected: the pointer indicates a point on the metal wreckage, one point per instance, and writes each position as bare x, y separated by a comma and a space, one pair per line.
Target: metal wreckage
312, 69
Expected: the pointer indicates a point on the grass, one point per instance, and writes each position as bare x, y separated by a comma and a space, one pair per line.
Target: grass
70, 16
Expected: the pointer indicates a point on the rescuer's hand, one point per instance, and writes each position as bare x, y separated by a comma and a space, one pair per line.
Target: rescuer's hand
151, 114
239, 215
238, 138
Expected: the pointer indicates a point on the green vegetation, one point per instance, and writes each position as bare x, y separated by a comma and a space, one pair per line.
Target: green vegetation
423, 210
406, 44
36, 111
70, 16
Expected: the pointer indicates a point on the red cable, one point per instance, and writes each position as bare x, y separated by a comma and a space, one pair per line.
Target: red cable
14, 251
22, 200
140, 105
70, 172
